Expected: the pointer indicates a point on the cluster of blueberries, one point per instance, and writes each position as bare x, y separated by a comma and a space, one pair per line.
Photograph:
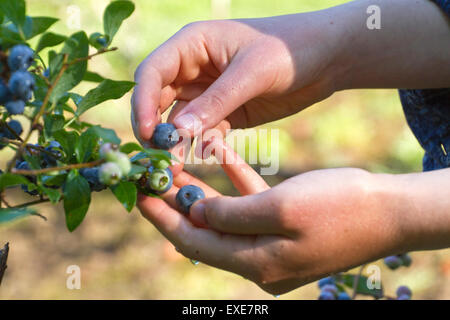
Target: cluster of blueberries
19, 89
165, 137
329, 290
48, 158
394, 262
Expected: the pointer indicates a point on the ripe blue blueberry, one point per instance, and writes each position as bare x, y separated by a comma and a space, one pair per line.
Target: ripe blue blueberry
23, 165
326, 295
110, 173
15, 126
404, 297
330, 288
404, 291
343, 296
21, 85
159, 180
406, 259
92, 176
15, 106
165, 136
186, 197
5, 93
324, 281
54, 148
20, 57
393, 262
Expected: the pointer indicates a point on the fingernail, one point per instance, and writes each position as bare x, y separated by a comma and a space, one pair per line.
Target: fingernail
187, 121
198, 214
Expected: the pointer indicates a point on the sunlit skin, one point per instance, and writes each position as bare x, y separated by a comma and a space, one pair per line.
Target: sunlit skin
241, 73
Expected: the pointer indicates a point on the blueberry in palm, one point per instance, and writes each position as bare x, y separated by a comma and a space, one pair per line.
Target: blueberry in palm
186, 197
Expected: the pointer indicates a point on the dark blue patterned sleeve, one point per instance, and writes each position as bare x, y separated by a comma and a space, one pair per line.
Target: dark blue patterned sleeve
444, 4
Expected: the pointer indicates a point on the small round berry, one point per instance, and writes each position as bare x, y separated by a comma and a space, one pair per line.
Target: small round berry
186, 197
54, 148
5, 93
21, 85
110, 173
343, 296
23, 165
15, 126
159, 180
20, 57
165, 136
406, 259
326, 295
117, 157
392, 262
15, 106
324, 281
330, 288
92, 176
162, 164
106, 149
404, 290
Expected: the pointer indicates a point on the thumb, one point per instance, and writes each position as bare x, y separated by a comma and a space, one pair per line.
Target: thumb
253, 214
237, 85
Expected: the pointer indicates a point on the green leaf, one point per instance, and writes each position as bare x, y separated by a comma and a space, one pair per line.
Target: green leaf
77, 197
126, 193
136, 169
37, 25
361, 288
49, 39
93, 77
53, 194
130, 147
52, 180
68, 141
114, 15
52, 123
106, 90
10, 214
14, 10
107, 135
77, 46
86, 145
157, 154
9, 179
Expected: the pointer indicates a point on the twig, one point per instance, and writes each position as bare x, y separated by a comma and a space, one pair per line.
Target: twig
28, 146
3, 259
11, 130
356, 281
61, 168
31, 203
74, 61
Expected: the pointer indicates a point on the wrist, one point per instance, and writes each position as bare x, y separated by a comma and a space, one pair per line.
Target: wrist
416, 205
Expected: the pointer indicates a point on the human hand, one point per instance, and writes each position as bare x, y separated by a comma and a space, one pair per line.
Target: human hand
246, 72
307, 227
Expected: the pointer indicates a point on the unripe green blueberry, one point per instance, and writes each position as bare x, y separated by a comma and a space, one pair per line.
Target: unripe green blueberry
161, 164
110, 173
121, 159
159, 180
106, 149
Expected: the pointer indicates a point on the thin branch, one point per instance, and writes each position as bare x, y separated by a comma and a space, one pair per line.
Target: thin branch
31, 203
61, 168
28, 146
11, 130
3, 259
356, 281
74, 61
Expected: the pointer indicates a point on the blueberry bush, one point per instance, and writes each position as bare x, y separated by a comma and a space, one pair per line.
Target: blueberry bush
57, 156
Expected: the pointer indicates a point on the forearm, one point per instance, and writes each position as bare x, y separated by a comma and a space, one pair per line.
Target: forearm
411, 50
420, 206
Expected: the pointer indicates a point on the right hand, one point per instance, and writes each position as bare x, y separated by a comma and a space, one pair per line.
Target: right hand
246, 72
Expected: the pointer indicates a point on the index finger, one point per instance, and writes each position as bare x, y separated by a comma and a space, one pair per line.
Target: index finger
157, 71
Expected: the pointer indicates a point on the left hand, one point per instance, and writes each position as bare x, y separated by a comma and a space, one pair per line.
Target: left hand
305, 228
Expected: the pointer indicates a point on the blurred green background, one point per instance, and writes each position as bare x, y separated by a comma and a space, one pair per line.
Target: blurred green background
121, 256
